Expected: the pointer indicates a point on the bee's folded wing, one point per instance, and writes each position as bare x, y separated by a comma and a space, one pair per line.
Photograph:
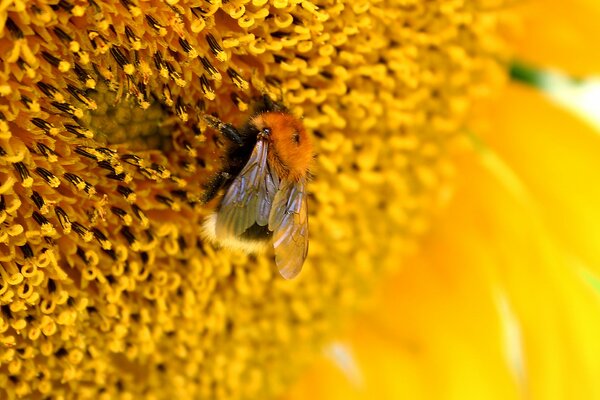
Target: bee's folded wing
289, 222
249, 198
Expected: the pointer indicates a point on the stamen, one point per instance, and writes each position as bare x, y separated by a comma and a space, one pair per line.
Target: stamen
51, 92
82, 231
169, 202
207, 88
187, 47
47, 127
31, 105
81, 96
160, 29
135, 41
210, 69
81, 151
63, 66
16, 32
81, 253
167, 96
46, 151
137, 211
133, 9
27, 251
38, 200
68, 108
122, 60
75, 180
80, 132
131, 239
102, 239
26, 179
63, 219
123, 215
216, 49
62, 35
84, 77
132, 159
127, 193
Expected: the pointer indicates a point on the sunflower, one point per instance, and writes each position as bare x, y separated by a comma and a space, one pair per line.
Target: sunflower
107, 288
502, 301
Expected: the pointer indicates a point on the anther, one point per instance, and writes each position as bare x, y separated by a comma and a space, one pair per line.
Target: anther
51, 91
139, 213
62, 66
38, 200
122, 214
187, 47
169, 202
216, 49
84, 77
68, 108
239, 102
79, 131
237, 79
82, 231
63, 219
81, 151
132, 159
111, 253
160, 170
30, 104
127, 193
43, 222
167, 96
62, 35
21, 168
180, 110
175, 76
210, 69
122, 60
160, 64
65, 5
160, 29
102, 239
47, 152
207, 88
81, 253
51, 285
122, 177
47, 127
27, 251
16, 32
132, 37
75, 180
130, 237
131, 7
80, 96
181, 243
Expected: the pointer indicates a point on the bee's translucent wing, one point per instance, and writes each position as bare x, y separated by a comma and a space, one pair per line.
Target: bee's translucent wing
289, 222
249, 198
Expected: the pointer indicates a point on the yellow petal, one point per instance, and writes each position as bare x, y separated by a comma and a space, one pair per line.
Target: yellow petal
560, 34
557, 157
494, 306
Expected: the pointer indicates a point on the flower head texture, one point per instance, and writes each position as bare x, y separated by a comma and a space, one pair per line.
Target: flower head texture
107, 288
502, 301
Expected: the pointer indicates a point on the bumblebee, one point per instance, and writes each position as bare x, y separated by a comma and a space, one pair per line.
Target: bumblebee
264, 177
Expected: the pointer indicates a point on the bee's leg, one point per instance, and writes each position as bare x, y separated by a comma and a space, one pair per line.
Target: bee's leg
227, 130
214, 185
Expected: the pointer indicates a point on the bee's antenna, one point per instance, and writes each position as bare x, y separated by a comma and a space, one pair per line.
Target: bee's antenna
227, 130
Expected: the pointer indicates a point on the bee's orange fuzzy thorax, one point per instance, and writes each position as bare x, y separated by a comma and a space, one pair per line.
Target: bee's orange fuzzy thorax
291, 147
